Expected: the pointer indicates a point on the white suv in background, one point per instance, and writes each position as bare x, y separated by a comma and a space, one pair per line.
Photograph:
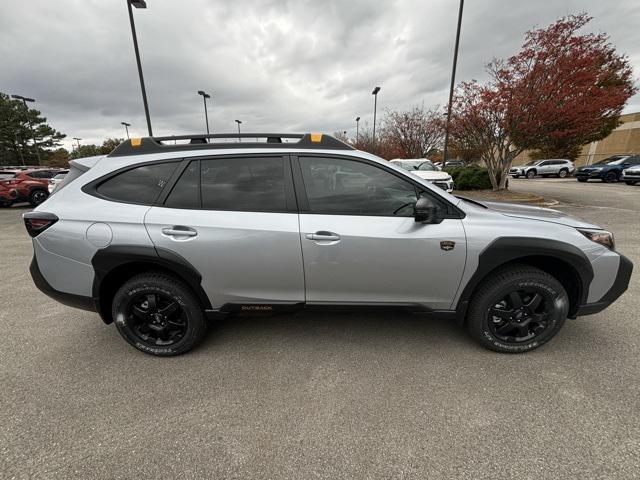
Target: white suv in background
559, 167
426, 170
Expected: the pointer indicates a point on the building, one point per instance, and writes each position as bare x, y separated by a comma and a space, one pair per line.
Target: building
623, 140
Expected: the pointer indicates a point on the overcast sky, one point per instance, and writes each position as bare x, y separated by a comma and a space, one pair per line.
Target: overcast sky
277, 65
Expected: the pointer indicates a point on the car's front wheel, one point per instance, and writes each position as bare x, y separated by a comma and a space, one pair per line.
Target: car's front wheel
158, 314
517, 309
630, 182
531, 174
610, 177
37, 197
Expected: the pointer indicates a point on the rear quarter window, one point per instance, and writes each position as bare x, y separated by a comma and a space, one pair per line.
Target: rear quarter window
140, 184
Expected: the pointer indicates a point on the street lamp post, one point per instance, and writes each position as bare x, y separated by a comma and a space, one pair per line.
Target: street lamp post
139, 4
357, 128
33, 132
375, 108
239, 122
205, 95
77, 140
453, 80
126, 126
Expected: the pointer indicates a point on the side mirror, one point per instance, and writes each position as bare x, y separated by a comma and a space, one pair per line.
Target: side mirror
426, 211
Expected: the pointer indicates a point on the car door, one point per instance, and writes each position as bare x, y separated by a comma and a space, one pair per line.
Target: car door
361, 243
235, 220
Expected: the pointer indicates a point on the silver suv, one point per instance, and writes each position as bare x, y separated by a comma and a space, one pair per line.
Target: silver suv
160, 236
559, 167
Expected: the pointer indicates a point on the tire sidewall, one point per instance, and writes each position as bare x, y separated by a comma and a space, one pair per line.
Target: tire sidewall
531, 174
557, 318
193, 315
563, 173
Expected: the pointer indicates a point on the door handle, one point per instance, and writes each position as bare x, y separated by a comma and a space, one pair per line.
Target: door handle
323, 236
179, 230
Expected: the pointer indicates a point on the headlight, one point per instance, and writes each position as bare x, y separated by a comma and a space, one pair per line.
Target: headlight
599, 236
448, 179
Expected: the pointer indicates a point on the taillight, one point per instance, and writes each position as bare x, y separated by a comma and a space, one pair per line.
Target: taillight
38, 222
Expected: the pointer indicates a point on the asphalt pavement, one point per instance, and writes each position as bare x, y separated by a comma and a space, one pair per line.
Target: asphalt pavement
312, 395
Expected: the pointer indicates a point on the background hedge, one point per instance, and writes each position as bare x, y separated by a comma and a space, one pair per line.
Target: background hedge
471, 177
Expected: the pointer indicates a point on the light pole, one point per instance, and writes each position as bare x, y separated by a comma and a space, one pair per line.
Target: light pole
357, 129
453, 80
77, 140
375, 107
239, 122
126, 126
139, 4
205, 95
33, 132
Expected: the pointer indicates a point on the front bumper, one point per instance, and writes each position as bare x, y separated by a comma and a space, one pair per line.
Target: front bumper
634, 176
589, 174
620, 285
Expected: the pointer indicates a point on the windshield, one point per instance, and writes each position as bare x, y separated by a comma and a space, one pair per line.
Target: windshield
60, 176
615, 160
532, 162
427, 166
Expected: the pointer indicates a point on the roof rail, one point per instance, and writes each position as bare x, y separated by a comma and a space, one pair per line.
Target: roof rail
137, 146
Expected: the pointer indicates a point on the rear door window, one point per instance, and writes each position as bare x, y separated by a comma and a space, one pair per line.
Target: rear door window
140, 185
250, 184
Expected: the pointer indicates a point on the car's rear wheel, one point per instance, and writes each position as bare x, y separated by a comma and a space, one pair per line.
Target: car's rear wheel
563, 173
630, 182
531, 174
37, 197
158, 314
517, 309
610, 177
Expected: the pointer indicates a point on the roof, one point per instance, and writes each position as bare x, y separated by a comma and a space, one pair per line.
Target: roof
138, 146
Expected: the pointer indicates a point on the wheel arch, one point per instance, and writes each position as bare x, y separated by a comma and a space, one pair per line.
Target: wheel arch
565, 262
114, 265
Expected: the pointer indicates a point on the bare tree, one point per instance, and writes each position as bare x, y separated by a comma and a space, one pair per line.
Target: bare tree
414, 133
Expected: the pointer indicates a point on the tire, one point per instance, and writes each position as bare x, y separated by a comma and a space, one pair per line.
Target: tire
531, 174
582, 179
563, 173
515, 176
610, 177
158, 315
530, 326
36, 197
630, 182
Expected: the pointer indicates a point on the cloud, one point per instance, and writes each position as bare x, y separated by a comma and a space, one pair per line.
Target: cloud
276, 65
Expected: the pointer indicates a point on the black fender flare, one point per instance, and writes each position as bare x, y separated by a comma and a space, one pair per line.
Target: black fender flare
504, 250
116, 257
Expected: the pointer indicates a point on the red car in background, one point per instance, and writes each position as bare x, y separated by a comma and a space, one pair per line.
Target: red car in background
25, 185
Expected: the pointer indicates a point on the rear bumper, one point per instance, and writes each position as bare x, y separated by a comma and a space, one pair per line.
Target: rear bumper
620, 285
69, 299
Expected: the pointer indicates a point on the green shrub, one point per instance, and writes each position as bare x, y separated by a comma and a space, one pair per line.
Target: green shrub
472, 177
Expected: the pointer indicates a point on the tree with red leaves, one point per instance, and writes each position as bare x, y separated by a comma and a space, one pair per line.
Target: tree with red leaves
561, 91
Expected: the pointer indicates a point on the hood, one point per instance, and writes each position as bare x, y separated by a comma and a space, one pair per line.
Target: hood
537, 213
431, 175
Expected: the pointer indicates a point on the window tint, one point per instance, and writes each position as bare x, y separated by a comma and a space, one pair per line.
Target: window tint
139, 185
186, 192
634, 161
346, 187
243, 184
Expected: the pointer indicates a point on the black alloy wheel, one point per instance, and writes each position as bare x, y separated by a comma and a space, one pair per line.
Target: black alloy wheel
611, 177
521, 315
37, 197
156, 319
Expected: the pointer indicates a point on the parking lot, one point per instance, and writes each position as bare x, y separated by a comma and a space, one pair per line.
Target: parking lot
310, 395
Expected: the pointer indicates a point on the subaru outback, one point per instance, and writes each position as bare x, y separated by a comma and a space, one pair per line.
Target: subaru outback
160, 236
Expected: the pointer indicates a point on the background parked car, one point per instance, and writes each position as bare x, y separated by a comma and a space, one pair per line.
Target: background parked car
427, 170
631, 175
25, 185
57, 178
608, 170
560, 167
